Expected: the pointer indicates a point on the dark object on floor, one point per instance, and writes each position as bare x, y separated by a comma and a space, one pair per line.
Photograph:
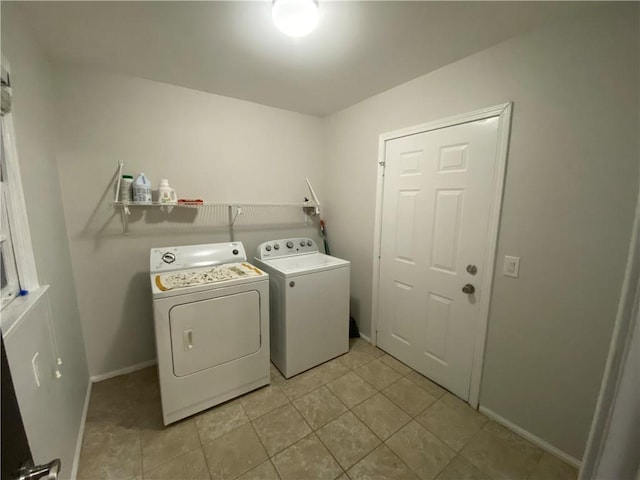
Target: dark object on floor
353, 328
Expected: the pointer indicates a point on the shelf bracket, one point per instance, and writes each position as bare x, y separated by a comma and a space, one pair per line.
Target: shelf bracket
233, 216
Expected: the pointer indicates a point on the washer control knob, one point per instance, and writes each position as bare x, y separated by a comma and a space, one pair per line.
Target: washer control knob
302, 243
276, 246
169, 257
292, 284
268, 248
235, 251
309, 243
289, 244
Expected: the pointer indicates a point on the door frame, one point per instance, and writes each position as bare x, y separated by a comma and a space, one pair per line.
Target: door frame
503, 112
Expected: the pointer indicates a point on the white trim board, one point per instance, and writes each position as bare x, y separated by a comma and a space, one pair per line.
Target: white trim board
503, 112
364, 337
123, 371
544, 445
83, 423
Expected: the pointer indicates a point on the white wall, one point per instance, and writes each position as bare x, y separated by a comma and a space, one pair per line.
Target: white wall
34, 121
210, 147
569, 200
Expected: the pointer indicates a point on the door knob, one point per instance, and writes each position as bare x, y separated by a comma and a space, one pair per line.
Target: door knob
469, 289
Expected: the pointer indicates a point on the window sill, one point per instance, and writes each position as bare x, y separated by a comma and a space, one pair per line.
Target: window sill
18, 309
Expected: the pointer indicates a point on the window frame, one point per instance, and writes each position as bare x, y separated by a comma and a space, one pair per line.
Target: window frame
7, 256
16, 236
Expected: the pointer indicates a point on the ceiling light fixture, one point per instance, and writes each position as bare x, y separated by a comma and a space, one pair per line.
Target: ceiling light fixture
295, 18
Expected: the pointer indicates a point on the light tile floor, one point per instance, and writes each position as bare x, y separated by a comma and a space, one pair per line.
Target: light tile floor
362, 416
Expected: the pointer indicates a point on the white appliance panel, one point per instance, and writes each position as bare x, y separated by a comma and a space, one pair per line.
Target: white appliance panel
211, 332
303, 264
317, 319
169, 259
184, 396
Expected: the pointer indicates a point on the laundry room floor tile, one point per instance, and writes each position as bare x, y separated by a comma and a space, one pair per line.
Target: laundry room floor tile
221, 419
452, 421
319, 407
234, 453
426, 384
378, 374
351, 389
331, 370
356, 358
408, 396
381, 415
501, 453
301, 384
364, 346
348, 439
420, 450
307, 459
109, 451
263, 400
276, 377
264, 471
325, 430
161, 444
379, 464
188, 466
460, 469
281, 428
551, 467
397, 365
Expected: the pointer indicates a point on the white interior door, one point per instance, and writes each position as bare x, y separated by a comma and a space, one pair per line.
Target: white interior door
438, 199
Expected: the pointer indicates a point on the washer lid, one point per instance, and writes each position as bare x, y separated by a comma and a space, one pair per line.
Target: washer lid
298, 264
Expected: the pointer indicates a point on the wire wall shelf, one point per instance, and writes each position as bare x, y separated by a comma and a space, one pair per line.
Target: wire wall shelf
212, 214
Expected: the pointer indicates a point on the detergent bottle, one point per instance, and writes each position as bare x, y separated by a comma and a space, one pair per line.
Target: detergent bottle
142, 189
166, 194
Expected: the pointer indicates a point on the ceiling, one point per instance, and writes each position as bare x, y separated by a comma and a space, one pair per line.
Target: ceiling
231, 48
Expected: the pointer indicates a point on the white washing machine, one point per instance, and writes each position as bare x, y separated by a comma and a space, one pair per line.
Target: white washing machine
309, 303
211, 313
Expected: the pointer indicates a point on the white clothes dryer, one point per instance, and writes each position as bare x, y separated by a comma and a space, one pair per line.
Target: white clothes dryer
211, 315
309, 303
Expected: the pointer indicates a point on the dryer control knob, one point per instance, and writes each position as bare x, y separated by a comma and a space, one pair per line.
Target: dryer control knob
289, 244
276, 246
309, 243
169, 257
268, 248
302, 243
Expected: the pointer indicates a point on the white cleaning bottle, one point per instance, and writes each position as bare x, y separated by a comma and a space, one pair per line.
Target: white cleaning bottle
142, 189
166, 194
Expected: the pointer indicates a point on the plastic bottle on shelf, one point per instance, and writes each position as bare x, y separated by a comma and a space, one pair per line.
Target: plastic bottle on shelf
166, 194
125, 189
142, 189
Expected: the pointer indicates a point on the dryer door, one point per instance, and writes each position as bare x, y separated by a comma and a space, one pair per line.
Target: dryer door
214, 331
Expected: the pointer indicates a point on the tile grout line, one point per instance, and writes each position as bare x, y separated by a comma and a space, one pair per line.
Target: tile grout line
412, 418
269, 457
204, 454
291, 400
259, 439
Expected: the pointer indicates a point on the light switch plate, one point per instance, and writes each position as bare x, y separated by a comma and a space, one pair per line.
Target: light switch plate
511, 266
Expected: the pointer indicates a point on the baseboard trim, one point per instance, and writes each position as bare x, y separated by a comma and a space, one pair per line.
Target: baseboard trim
364, 337
555, 451
123, 371
83, 422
